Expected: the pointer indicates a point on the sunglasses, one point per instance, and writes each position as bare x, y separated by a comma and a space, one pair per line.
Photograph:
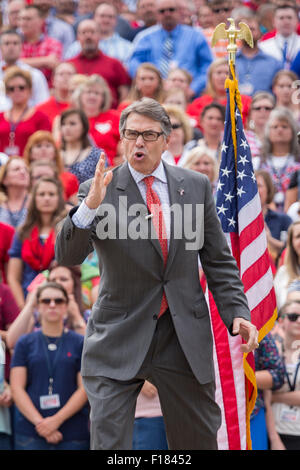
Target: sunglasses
11, 89
259, 108
176, 126
57, 301
293, 317
219, 10
169, 10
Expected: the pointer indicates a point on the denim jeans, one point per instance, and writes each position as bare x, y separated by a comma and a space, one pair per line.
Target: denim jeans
149, 434
23, 442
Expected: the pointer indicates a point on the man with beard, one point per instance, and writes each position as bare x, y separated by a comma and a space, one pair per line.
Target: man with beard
91, 60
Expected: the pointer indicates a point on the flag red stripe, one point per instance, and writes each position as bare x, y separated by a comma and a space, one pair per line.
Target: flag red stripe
251, 232
258, 269
261, 314
226, 377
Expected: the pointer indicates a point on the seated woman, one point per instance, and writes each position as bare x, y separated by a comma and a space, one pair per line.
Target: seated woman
212, 124
276, 223
94, 98
79, 155
215, 91
290, 269
280, 152
41, 146
14, 191
198, 159
283, 89
179, 78
32, 249
180, 137
21, 121
46, 383
148, 83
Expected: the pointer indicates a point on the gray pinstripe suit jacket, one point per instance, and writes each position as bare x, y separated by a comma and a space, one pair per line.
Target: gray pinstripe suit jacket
133, 277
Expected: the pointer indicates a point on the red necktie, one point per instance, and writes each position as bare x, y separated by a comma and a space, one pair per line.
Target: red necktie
154, 206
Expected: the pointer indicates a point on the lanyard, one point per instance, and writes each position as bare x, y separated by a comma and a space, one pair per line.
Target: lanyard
51, 364
292, 385
14, 125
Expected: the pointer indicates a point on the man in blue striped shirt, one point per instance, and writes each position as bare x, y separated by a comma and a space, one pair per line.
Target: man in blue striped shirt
187, 47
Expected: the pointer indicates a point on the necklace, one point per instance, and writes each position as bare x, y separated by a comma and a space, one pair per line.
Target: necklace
52, 344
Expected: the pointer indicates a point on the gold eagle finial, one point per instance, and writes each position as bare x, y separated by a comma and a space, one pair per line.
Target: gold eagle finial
232, 34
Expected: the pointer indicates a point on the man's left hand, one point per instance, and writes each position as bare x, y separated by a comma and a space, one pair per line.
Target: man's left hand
248, 332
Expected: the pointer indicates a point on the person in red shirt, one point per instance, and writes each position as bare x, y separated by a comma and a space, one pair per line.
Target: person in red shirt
94, 98
59, 101
21, 121
38, 50
215, 91
92, 61
7, 233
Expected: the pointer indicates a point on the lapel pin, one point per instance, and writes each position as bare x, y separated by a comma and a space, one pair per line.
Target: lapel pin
181, 191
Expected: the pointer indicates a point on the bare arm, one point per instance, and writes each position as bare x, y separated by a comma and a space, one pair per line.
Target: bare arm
18, 380
14, 280
23, 323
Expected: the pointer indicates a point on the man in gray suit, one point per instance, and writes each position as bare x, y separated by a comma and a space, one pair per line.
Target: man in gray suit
151, 321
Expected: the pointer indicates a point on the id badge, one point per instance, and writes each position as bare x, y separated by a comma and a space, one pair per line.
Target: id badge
289, 414
12, 151
49, 401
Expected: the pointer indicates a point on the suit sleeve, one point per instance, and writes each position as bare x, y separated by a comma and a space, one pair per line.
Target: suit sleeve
74, 244
220, 268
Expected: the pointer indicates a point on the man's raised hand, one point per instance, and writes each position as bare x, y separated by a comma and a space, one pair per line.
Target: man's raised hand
98, 187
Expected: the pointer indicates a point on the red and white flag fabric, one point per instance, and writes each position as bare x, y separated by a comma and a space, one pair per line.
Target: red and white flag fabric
239, 209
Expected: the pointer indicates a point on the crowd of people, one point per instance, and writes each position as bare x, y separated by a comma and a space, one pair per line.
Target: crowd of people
67, 71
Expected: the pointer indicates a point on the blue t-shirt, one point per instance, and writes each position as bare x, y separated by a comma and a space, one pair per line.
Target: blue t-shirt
30, 352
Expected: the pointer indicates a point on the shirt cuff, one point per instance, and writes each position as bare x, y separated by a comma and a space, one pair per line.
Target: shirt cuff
84, 216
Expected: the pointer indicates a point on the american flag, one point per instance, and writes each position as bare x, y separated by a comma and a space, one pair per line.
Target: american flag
239, 209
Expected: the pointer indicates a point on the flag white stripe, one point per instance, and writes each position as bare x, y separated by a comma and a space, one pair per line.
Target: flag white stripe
249, 212
253, 252
260, 289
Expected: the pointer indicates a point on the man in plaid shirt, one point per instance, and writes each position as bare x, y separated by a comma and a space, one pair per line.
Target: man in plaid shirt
38, 50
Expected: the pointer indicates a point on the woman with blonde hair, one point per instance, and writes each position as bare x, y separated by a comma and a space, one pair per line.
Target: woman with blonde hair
180, 137
290, 270
14, 191
280, 151
215, 91
199, 160
21, 121
41, 146
94, 98
147, 83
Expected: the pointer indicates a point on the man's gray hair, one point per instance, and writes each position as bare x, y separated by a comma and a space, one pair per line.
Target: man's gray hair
149, 108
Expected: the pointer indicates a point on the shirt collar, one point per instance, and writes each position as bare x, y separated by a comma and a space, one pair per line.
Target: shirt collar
158, 173
172, 33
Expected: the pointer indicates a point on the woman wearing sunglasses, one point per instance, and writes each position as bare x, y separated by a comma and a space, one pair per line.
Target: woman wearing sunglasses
46, 383
285, 418
21, 121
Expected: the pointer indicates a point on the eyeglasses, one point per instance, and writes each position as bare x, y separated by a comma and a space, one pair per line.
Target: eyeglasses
293, 317
169, 10
57, 301
259, 108
148, 136
11, 89
176, 126
219, 10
